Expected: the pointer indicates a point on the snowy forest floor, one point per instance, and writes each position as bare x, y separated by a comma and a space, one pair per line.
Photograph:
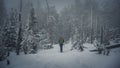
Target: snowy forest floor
52, 58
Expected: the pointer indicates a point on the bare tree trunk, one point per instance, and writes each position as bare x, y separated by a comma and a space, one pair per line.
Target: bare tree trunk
91, 37
19, 39
96, 28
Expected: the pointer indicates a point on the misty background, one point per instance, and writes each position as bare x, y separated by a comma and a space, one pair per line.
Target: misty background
29, 26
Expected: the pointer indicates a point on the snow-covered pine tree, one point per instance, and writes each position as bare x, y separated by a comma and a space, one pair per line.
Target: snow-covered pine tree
2, 27
79, 9
33, 30
44, 40
34, 38
19, 32
12, 31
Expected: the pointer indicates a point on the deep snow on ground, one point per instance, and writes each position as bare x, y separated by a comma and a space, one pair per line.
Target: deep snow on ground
52, 58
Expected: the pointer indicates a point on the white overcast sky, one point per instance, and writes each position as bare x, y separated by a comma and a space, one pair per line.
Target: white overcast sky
59, 4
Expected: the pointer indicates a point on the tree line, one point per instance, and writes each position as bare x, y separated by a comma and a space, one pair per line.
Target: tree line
28, 28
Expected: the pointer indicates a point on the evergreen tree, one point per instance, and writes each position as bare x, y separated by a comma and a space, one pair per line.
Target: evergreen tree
12, 31
34, 38
44, 40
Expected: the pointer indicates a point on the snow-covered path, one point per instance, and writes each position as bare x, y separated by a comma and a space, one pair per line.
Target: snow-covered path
52, 58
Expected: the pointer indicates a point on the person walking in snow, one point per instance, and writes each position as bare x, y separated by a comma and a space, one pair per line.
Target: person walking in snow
61, 42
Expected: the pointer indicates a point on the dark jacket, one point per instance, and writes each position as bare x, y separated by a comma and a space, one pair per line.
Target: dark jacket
61, 41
